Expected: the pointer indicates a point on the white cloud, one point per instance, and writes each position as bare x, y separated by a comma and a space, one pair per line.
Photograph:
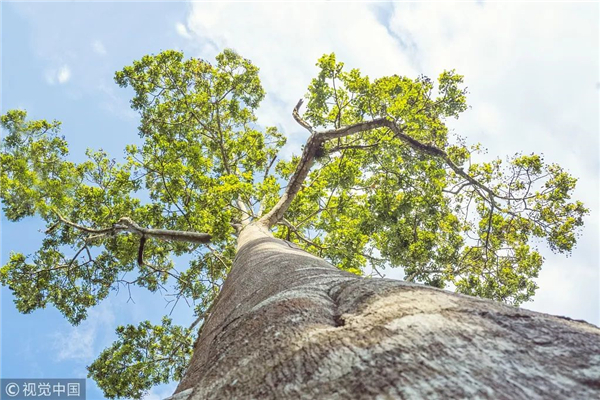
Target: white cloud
58, 75
532, 72
160, 392
531, 69
98, 47
286, 39
64, 74
182, 30
77, 345
79, 342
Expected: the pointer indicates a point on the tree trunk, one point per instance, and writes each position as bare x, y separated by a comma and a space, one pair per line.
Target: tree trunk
289, 325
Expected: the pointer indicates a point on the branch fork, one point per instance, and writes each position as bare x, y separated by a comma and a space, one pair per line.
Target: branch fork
316, 139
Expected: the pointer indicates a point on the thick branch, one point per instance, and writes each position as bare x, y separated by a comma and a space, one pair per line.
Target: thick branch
311, 147
102, 231
126, 224
414, 143
352, 129
306, 161
142, 263
261, 208
245, 210
316, 140
140, 257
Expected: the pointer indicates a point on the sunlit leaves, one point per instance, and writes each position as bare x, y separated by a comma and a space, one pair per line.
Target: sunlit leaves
392, 195
141, 357
200, 155
529, 199
203, 163
452, 98
34, 174
415, 211
202, 152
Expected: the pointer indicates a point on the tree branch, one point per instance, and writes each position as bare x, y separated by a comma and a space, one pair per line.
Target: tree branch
316, 140
352, 129
288, 224
313, 144
126, 224
306, 161
261, 208
245, 210
487, 235
300, 120
142, 263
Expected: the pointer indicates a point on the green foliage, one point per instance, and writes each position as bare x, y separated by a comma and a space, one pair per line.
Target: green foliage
201, 149
371, 202
143, 356
374, 195
33, 166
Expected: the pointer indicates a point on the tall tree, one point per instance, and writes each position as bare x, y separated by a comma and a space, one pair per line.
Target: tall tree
379, 184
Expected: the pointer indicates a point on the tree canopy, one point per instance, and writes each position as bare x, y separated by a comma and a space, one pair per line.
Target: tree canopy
381, 183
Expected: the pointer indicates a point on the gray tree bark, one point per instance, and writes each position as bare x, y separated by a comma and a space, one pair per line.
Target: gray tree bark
288, 325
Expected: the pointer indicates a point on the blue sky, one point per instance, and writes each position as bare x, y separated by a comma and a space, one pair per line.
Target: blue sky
86, 43
532, 72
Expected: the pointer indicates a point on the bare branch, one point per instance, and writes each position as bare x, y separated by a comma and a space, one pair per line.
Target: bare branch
99, 232
197, 321
237, 227
286, 223
300, 120
164, 234
488, 233
142, 263
126, 224
374, 268
306, 161
355, 147
261, 208
218, 256
457, 191
352, 129
245, 210
140, 257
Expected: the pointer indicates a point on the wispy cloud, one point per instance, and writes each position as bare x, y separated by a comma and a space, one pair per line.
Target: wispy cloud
64, 74
76, 345
182, 30
78, 342
58, 75
286, 39
160, 392
115, 104
98, 47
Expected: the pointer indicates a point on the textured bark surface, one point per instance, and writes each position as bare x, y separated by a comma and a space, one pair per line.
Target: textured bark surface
289, 325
